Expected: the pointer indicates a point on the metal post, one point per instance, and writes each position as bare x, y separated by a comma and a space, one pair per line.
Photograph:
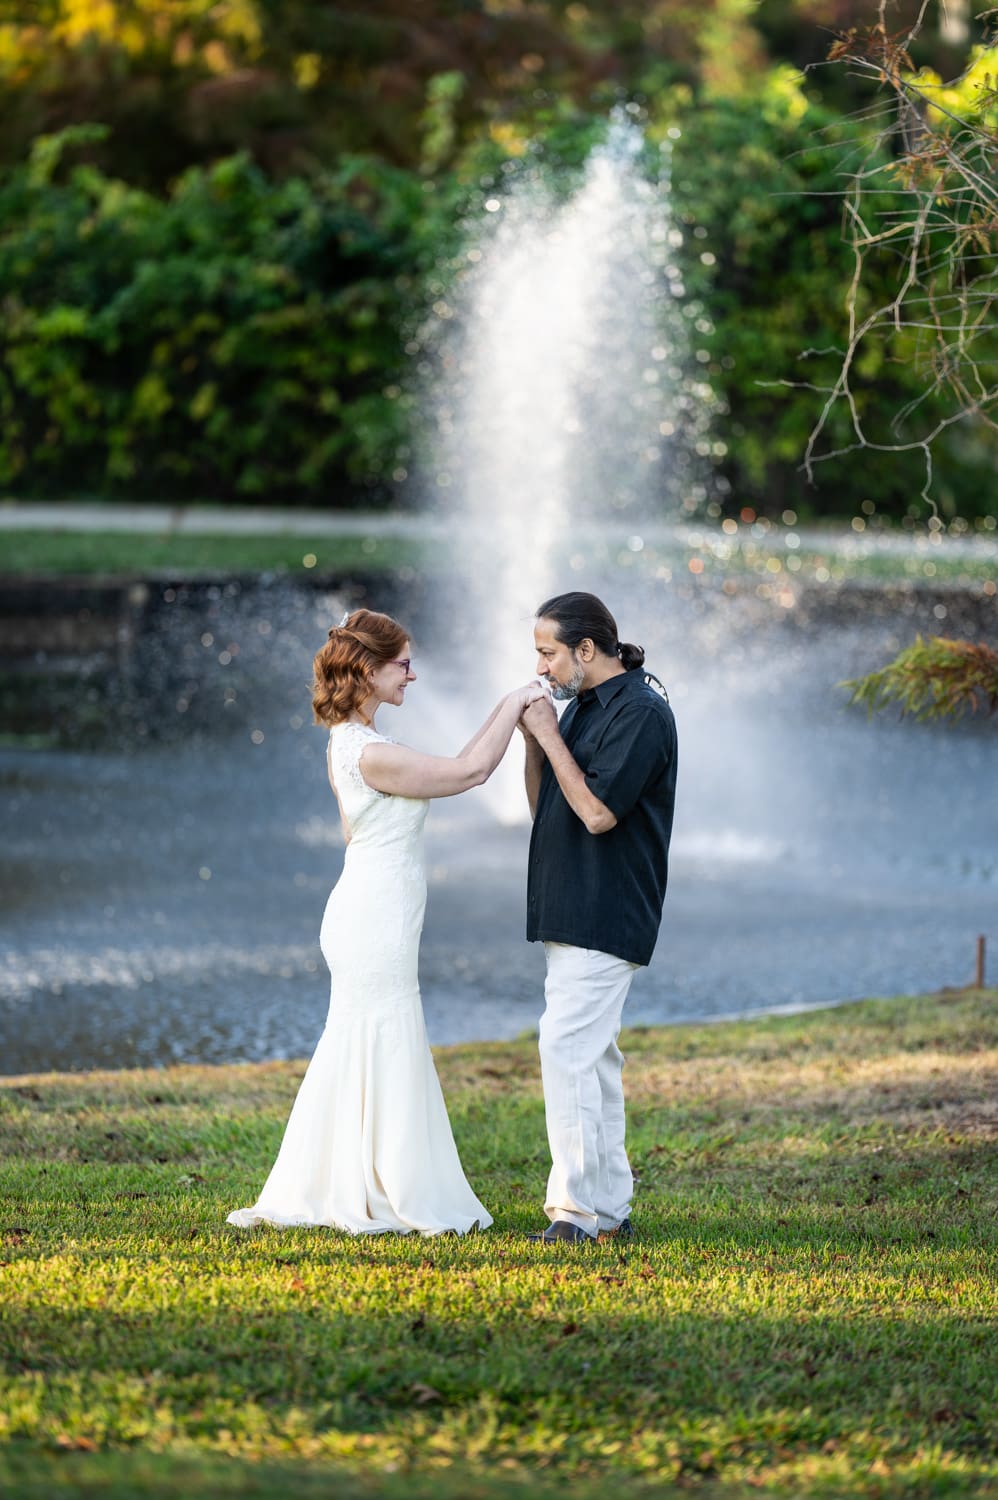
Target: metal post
979, 978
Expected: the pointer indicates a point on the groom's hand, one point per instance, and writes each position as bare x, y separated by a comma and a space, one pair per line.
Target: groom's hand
539, 719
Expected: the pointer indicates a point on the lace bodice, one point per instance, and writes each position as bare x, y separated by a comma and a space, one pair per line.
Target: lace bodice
374, 817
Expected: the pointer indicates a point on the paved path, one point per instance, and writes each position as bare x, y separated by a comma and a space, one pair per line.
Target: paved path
209, 520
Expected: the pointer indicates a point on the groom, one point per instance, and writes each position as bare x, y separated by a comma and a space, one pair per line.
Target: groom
601, 787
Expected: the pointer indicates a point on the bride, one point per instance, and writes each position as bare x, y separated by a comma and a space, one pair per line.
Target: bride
368, 1146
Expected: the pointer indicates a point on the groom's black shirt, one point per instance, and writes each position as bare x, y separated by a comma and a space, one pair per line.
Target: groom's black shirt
605, 891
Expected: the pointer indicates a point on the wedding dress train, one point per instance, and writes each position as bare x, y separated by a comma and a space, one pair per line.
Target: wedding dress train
368, 1147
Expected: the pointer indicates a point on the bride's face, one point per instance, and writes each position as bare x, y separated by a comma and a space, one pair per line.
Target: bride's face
390, 680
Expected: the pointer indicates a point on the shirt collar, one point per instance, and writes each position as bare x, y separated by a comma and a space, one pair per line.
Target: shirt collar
608, 690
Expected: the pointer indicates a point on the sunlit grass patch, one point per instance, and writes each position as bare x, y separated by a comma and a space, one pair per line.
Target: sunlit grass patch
809, 1307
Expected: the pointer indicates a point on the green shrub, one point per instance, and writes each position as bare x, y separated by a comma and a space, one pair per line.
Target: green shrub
237, 338
245, 338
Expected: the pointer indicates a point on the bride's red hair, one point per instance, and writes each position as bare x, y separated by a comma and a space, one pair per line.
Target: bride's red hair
343, 666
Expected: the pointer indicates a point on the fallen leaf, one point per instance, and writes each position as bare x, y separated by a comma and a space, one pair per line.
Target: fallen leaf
424, 1393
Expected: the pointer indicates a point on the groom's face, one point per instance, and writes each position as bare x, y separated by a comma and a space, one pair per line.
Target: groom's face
558, 663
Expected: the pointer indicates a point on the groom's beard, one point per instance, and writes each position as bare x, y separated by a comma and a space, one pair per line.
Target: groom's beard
569, 689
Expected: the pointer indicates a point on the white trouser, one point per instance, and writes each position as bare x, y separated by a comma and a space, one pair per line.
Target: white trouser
590, 1183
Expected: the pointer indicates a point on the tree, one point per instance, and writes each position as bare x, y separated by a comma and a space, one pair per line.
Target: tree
297, 83
921, 205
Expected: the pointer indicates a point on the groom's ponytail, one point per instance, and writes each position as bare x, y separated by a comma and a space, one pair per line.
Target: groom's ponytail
583, 617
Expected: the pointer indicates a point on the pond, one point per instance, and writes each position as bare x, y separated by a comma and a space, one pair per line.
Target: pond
162, 889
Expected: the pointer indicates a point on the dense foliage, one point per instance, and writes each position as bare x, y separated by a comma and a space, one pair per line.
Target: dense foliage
296, 84
183, 322
234, 337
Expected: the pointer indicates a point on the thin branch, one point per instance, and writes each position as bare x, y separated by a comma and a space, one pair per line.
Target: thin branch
941, 171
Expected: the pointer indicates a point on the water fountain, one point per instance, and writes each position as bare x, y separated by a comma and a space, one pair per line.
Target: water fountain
160, 897
562, 417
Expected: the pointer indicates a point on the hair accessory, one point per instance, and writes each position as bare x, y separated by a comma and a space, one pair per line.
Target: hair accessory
344, 620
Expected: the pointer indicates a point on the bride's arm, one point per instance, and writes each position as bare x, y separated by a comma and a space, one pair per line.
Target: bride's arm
479, 732
407, 773
491, 719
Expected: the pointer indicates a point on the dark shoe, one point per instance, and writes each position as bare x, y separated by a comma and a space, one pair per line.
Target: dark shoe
562, 1232
622, 1231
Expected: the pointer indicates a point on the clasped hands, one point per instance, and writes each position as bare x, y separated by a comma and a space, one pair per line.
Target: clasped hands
536, 709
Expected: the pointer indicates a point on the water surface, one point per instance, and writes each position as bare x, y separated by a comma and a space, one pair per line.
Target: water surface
161, 901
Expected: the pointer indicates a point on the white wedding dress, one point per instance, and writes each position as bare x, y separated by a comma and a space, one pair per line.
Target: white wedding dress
368, 1146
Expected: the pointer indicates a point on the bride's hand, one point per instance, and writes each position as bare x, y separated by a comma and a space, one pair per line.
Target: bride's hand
531, 692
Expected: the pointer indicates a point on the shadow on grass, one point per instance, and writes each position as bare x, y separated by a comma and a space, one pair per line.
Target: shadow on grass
808, 1309
30, 1475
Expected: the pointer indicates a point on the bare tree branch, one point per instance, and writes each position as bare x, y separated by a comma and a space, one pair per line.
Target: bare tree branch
941, 316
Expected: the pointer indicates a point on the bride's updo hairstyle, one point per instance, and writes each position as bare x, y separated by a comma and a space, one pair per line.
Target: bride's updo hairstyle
583, 617
365, 641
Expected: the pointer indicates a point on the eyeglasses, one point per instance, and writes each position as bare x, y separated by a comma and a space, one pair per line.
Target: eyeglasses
404, 662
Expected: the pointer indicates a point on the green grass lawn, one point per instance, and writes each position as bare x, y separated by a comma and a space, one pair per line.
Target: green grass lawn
142, 554
708, 554
810, 1307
